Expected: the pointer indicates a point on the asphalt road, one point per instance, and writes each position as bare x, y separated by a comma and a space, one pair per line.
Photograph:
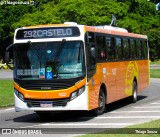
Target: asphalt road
6, 74
119, 114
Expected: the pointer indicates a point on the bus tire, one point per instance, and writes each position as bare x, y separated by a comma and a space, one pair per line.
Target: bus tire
43, 114
102, 104
134, 92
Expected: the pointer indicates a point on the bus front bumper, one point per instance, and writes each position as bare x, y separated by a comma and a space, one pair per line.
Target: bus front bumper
79, 103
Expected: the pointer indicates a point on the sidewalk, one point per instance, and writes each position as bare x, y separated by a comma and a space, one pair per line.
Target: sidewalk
6, 74
155, 66
155, 80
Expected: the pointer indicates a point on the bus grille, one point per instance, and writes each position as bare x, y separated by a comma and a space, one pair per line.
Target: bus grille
37, 103
45, 86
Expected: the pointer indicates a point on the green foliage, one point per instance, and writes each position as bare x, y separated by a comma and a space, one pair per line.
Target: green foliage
154, 43
9, 14
81, 11
6, 93
138, 16
155, 73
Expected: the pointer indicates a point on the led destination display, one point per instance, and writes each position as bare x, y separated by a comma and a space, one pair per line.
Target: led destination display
50, 32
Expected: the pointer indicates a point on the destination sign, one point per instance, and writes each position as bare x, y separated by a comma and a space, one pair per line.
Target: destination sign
50, 32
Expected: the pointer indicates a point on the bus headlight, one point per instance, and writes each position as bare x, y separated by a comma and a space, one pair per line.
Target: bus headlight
74, 95
81, 90
77, 92
19, 95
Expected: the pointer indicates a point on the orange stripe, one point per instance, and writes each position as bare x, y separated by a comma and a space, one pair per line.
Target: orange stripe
81, 83
52, 94
49, 94
16, 86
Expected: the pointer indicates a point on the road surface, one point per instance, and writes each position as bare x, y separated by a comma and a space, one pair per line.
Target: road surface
6, 74
119, 114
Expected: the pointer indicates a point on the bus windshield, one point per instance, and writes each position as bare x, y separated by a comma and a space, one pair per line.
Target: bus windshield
49, 60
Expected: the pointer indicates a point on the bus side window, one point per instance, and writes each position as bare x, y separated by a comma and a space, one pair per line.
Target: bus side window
101, 49
138, 47
118, 45
132, 47
91, 60
91, 37
126, 49
144, 49
110, 48
91, 54
90, 48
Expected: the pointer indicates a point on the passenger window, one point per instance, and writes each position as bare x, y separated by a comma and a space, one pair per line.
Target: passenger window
101, 48
133, 49
145, 49
110, 48
138, 48
91, 37
126, 49
118, 46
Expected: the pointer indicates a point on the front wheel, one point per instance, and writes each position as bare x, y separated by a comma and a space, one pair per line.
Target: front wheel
102, 104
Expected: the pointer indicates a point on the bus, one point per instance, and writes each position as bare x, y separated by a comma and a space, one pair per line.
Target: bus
63, 67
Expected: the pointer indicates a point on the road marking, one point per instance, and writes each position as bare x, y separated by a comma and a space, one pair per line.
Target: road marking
87, 124
80, 124
9, 109
156, 103
127, 117
148, 107
135, 111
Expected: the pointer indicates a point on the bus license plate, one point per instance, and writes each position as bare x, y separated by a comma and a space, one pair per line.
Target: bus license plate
46, 104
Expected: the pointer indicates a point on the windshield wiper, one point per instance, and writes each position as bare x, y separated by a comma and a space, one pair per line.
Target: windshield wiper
56, 62
60, 49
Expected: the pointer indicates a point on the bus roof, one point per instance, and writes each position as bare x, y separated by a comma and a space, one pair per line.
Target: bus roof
100, 29
114, 31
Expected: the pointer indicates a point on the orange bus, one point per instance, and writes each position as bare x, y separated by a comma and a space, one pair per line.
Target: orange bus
77, 67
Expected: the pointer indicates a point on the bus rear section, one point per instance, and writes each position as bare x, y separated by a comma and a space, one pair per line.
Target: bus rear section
117, 65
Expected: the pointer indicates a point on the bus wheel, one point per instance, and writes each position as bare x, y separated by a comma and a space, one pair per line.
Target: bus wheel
102, 104
43, 114
134, 92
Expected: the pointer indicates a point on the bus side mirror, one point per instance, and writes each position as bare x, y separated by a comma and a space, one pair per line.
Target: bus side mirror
7, 56
93, 54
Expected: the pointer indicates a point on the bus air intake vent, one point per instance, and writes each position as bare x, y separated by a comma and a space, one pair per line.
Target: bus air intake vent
54, 103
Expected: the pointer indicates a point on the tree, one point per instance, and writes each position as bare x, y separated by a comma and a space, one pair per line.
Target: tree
139, 16
81, 11
154, 43
154, 1
10, 14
